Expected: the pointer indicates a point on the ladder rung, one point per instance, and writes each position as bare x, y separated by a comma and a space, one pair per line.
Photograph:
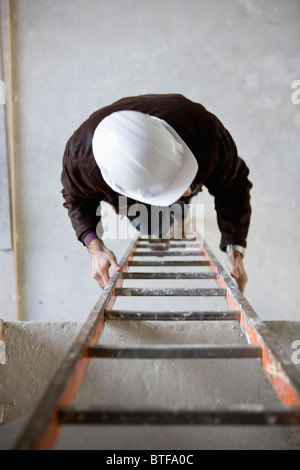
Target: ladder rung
174, 275
246, 415
171, 316
167, 240
169, 263
169, 253
43, 428
176, 352
165, 246
169, 292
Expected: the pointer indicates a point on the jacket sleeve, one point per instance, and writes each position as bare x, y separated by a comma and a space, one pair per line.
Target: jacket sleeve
229, 184
81, 202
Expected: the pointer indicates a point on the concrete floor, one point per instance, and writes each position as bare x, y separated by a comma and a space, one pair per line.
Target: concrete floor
35, 349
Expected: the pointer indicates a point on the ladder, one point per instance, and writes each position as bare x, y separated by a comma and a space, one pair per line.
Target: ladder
55, 408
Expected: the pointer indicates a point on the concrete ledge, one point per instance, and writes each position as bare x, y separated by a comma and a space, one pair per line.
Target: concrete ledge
35, 349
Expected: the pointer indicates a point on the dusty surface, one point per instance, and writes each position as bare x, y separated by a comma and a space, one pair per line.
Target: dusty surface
239, 62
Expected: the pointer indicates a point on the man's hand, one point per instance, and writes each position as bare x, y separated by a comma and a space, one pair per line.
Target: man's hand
236, 267
102, 259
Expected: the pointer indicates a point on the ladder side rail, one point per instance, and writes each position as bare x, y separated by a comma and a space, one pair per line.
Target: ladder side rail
278, 367
43, 429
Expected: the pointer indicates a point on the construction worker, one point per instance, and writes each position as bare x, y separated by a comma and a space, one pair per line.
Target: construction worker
155, 150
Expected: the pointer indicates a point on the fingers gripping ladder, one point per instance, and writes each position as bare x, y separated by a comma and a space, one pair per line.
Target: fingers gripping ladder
55, 408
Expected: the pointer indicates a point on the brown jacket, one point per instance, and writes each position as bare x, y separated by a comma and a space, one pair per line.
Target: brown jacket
221, 170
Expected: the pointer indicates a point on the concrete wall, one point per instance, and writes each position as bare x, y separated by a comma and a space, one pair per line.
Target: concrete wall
237, 57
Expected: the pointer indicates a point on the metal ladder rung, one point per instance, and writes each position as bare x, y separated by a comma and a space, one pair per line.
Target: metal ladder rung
230, 315
169, 263
176, 352
169, 292
169, 253
170, 275
250, 415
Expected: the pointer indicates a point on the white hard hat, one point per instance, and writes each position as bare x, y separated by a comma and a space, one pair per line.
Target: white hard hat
142, 157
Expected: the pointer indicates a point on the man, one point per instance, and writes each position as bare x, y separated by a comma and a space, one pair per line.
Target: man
155, 150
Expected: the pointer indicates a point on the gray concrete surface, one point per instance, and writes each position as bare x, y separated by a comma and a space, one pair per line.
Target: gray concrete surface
237, 57
35, 349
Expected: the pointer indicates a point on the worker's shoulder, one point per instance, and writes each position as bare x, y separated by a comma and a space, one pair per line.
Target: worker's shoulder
191, 110
169, 106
